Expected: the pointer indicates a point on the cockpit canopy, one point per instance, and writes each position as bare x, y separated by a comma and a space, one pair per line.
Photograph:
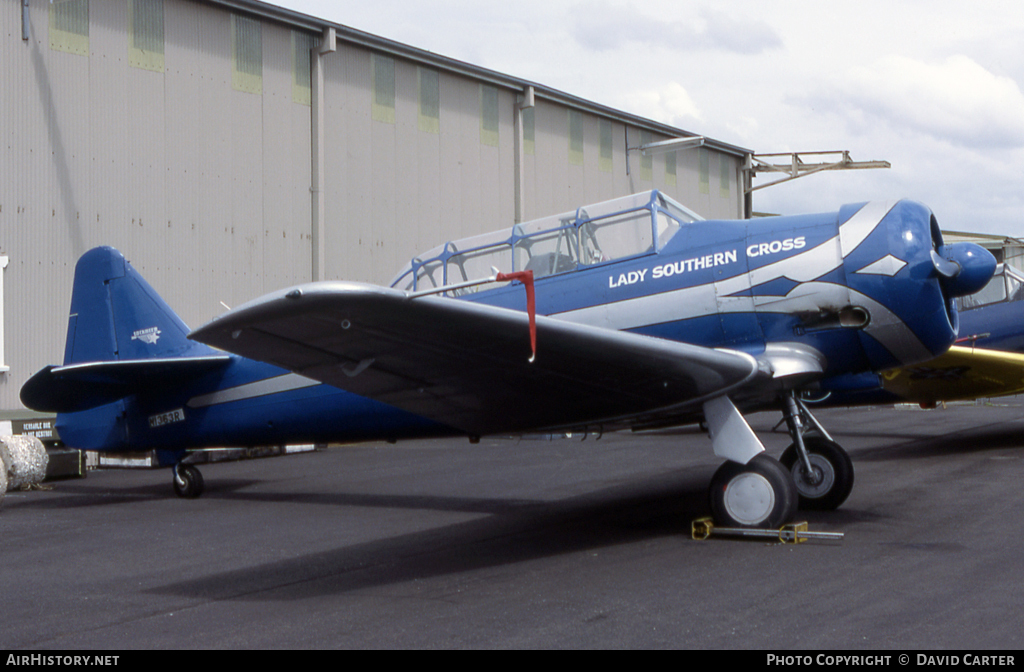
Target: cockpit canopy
623, 227
1006, 286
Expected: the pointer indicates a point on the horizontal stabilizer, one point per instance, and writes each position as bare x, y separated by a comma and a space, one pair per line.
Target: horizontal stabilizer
79, 387
467, 365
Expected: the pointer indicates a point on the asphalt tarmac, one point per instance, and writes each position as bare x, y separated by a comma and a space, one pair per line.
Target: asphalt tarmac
527, 543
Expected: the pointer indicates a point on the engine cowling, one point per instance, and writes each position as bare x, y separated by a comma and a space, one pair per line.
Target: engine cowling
903, 278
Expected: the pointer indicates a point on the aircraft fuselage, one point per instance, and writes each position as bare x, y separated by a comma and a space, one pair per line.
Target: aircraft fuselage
857, 289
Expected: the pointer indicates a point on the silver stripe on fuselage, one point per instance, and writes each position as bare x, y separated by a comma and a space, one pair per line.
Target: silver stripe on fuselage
805, 267
857, 228
711, 298
259, 388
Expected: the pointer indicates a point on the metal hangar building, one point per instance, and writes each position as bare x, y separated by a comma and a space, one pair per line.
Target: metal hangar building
232, 147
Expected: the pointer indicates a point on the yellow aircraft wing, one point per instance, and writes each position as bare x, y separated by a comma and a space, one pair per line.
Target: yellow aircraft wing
961, 373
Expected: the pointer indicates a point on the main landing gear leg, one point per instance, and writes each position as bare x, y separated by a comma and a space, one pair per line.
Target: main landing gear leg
752, 489
822, 470
188, 482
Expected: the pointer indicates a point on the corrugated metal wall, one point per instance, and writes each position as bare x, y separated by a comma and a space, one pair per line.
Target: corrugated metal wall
204, 187
394, 189
200, 171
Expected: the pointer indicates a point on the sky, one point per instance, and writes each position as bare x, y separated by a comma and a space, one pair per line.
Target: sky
933, 87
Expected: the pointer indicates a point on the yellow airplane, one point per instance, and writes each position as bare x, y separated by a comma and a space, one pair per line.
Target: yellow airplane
986, 361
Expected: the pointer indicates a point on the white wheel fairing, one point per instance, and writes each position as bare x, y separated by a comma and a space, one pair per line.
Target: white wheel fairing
749, 498
758, 494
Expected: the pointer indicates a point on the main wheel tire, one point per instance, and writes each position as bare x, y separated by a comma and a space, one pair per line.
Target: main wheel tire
758, 494
188, 481
833, 466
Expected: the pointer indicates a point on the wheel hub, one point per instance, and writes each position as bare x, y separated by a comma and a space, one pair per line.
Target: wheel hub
819, 482
749, 498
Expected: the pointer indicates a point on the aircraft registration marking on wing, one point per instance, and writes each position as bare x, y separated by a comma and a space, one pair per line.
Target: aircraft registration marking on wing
929, 373
161, 419
283, 383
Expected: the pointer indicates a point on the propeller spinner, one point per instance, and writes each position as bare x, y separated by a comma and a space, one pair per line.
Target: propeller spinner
963, 268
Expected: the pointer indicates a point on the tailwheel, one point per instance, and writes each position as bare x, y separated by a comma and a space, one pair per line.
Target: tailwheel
760, 493
188, 482
831, 479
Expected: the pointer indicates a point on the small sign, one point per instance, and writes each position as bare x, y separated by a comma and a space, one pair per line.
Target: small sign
41, 428
161, 419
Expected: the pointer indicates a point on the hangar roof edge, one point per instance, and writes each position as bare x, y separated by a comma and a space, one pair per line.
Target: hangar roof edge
351, 35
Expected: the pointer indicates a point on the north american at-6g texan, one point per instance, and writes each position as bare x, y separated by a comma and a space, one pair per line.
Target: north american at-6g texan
632, 313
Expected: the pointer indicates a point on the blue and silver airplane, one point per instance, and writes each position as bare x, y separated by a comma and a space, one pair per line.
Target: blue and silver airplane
632, 313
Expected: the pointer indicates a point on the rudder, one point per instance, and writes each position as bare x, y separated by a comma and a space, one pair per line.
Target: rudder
117, 315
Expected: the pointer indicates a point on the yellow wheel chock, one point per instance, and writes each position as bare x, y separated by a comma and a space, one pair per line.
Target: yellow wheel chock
793, 533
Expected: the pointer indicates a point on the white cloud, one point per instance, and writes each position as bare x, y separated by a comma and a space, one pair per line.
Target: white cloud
741, 35
600, 26
670, 104
956, 100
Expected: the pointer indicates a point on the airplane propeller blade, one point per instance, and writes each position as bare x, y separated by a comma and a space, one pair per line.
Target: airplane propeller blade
945, 267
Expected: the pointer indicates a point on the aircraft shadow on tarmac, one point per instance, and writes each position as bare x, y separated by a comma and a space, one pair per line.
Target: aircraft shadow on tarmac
516, 531
75, 495
510, 531
964, 442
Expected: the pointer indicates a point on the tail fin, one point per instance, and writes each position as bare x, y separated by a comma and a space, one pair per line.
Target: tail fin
122, 339
117, 315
